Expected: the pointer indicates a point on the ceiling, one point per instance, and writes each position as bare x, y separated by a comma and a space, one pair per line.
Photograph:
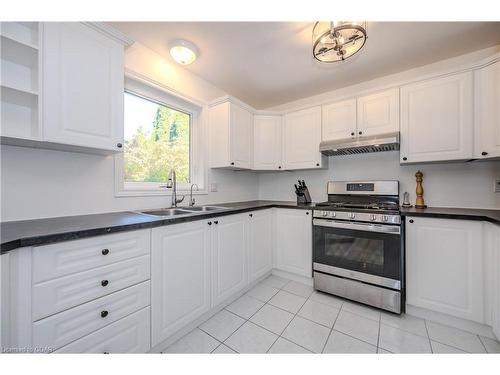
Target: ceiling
270, 63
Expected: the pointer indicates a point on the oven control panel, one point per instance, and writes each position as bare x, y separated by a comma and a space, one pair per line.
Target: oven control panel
357, 216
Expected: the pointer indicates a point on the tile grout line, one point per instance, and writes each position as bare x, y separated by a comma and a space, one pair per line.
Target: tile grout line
428, 336
482, 343
331, 329
378, 335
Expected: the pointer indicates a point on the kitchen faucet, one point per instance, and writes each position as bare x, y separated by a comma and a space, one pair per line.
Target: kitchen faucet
172, 184
191, 200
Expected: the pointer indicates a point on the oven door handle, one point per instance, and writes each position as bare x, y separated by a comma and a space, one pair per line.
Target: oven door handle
380, 228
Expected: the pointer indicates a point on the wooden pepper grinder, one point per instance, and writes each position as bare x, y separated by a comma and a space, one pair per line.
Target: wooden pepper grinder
419, 203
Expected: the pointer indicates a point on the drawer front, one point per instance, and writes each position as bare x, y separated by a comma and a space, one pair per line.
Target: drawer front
127, 335
56, 260
61, 329
53, 296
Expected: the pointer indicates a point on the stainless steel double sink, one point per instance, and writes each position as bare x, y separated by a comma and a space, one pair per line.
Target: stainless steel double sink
178, 211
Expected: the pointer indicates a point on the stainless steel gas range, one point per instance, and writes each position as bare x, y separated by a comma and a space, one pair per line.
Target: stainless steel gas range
357, 242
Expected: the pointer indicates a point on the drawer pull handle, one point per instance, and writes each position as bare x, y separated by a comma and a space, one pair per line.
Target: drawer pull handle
105, 352
104, 313
104, 282
105, 251
216, 222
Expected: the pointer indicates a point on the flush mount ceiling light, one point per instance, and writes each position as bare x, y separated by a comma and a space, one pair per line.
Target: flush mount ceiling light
183, 52
338, 40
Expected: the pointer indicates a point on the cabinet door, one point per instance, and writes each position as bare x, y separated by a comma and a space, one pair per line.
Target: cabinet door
294, 241
229, 252
267, 143
260, 252
180, 276
444, 265
302, 136
82, 87
241, 137
487, 111
436, 119
339, 120
378, 113
496, 284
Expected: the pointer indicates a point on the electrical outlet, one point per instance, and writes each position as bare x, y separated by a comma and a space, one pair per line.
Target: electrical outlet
213, 187
497, 186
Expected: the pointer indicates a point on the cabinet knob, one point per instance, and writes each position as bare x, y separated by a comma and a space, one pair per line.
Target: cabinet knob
209, 223
216, 222
411, 221
104, 313
307, 213
317, 164
105, 352
360, 133
232, 163
352, 133
405, 158
279, 167
119, 145
484, 153
251, 215
104, 282
105, 251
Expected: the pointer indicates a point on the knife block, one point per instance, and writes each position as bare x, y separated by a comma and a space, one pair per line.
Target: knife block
303, 196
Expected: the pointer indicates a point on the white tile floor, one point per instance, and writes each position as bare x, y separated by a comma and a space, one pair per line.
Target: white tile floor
283, 316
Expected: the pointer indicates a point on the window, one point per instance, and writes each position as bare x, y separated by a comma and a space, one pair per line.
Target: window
160, 134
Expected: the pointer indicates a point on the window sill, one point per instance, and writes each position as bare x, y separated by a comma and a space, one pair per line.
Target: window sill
153, 193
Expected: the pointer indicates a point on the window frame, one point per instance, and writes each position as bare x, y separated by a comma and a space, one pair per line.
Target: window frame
147, 89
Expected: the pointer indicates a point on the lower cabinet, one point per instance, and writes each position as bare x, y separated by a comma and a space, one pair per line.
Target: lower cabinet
294, 241
495, 280
127, 335
260, 252
180, 276
444, 266
229, 253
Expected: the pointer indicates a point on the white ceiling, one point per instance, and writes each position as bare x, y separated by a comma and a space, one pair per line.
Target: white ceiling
270, 63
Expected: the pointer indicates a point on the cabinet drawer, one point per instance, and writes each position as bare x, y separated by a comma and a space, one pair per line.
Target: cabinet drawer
53, 296
61, 329
127, 335
56, 260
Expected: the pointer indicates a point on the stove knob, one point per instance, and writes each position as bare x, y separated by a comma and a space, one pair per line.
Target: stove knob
324, 213
385, 218
333, 214
352, 215
373, 217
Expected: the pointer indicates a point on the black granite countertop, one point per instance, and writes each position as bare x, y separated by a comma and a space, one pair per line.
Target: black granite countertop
16, 234
493, 216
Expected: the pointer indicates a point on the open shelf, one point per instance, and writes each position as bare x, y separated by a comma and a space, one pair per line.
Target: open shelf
19, 114
25, 33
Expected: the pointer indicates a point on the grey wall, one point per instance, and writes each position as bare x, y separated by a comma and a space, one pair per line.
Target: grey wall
447, 185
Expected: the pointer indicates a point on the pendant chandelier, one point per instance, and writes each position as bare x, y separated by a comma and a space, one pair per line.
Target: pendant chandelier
338, 40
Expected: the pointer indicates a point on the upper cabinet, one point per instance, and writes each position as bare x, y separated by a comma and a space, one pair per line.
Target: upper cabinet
268, 142
82, 87
487, 111
368, 115
62, 86
230, 135
378, 113
437, 119
339, 120
302, 136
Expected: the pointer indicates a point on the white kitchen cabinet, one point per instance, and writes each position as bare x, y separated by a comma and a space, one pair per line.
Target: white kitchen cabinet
260, 249
82, 86
495, 278
487, 111
180, 276
378, 113
230, 135
294, 241
444, 266
437, 119
302, 136
339, 120
229, 256
268, 140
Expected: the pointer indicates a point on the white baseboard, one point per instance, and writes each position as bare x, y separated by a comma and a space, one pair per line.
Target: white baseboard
292, 276
214, 310
463, 324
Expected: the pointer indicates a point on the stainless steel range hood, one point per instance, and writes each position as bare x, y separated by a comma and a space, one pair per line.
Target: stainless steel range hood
360, 145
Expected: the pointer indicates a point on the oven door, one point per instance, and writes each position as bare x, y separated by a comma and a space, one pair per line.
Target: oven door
366, 252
